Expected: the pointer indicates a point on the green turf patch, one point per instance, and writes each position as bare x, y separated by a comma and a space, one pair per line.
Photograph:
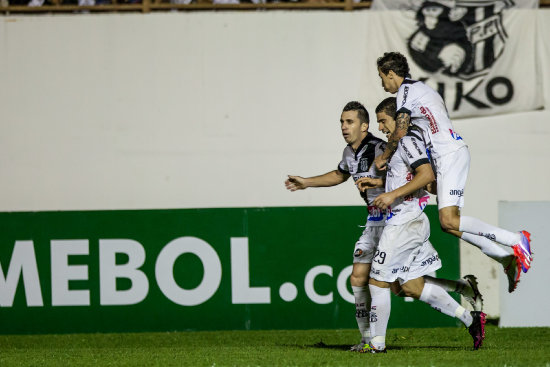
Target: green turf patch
406, 347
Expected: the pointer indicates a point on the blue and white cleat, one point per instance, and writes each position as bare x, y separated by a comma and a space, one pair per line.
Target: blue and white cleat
522, 250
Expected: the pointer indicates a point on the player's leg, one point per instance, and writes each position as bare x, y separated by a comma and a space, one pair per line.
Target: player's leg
452, 172
511, 263
380, 277
441, 301
466, 287
359, 280
379, 316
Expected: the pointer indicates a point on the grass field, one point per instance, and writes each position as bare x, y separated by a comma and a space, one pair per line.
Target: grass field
406, 347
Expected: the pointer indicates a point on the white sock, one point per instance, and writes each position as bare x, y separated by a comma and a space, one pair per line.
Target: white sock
380, 310
440, 300
362, 309
446, 284
488, 247
480, 228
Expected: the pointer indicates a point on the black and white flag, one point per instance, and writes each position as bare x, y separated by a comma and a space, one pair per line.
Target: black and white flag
481, 56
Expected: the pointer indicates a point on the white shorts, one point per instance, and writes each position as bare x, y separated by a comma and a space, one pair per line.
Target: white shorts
367, 244
404, 252
452, 173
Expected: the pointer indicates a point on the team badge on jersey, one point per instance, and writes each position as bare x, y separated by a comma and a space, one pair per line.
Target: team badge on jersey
364, 165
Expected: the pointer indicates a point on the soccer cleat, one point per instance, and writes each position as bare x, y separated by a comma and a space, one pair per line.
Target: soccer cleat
513, 272
357, 347
477, 329
472, 294
523, 250
369, 348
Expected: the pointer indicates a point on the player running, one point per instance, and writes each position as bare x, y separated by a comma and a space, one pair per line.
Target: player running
404, 252
424, 108
357, 161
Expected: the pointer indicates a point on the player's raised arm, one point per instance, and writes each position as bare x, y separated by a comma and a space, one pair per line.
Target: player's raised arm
331, 178
402, 122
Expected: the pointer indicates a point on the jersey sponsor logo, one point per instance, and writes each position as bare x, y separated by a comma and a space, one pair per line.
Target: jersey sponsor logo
375, 214
416, 146
434, 128
430, 260
389, 213
455, 135
403, 269
456, 192
406, 151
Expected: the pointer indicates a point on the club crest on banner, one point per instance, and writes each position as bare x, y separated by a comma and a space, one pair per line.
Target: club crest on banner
461, 39
467, 51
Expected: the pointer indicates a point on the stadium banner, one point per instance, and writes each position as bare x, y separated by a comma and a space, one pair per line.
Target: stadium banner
191, 269
481, 56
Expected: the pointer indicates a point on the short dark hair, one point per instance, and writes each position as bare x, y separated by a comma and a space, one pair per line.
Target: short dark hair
388, 106
394, 61
362, 112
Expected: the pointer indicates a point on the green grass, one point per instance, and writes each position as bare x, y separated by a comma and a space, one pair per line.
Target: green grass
406, 347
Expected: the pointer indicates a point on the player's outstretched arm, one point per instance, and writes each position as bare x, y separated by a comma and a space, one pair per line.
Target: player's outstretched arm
423, 176
365, 183
331, 178
402, 122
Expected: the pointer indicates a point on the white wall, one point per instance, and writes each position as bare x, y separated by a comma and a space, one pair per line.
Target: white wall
533, 215
188, 110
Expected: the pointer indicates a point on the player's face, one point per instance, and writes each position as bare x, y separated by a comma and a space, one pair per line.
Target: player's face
389, 83
386, 123
352, 129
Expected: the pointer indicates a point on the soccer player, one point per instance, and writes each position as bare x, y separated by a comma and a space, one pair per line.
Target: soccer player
357, 161
424, 108
404, 251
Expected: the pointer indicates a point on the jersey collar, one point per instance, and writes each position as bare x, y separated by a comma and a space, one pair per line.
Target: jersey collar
364, 142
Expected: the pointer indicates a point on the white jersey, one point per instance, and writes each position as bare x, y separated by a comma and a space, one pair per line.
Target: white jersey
428, 112
359, 164
410, 154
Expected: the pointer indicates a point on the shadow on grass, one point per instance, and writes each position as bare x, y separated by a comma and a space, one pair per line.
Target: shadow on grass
346, 347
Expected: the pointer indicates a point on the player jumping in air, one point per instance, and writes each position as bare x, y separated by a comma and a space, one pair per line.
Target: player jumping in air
424, 108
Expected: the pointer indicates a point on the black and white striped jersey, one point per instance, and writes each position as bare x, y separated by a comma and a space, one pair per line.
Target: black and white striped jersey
359, 164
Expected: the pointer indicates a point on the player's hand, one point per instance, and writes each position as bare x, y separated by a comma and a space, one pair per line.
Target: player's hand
380, 163
365, 183
294, 183
432, 188
384, 200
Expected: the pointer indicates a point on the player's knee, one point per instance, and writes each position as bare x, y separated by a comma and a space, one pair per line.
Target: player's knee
358, 280
449, 222
410, 291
